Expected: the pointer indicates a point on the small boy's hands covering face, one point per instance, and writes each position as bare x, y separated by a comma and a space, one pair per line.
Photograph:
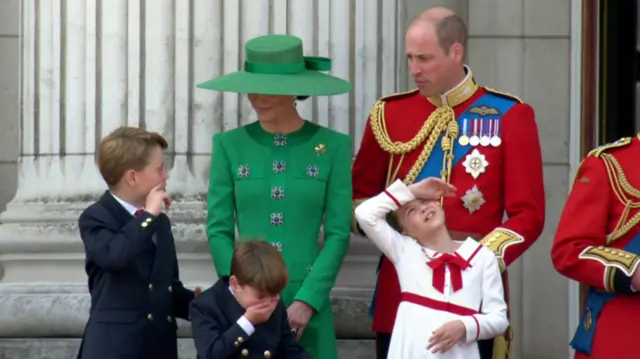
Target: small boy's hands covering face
156, 198
260, 313
432, 188
447, 336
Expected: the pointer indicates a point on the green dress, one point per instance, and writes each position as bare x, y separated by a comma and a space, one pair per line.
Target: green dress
282, 189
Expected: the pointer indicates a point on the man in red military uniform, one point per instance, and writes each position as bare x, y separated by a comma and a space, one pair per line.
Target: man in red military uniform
482, 141
598, 244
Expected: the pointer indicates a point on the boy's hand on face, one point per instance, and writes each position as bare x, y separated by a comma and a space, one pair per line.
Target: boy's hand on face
445, 337
260, 313
156, 198
432, 188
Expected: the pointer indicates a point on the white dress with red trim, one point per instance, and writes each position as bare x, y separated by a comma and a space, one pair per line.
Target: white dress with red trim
436, 288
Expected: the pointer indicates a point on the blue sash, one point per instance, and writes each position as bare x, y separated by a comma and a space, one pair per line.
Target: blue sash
583, 338
498, 106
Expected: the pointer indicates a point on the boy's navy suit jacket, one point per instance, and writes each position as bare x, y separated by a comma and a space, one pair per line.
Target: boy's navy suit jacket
135, 290
217, 335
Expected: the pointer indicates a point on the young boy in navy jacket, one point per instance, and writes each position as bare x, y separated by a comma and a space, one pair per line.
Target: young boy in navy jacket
136, 293
242, 315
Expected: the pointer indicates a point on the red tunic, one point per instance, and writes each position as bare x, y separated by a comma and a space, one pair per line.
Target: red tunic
589, 238
512, 183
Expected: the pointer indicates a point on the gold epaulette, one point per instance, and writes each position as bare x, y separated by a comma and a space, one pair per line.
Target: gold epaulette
505, 94
398, 95
597, 152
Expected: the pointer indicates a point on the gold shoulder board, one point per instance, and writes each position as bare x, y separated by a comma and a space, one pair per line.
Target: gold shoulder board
596, 152
398, 95
505, 94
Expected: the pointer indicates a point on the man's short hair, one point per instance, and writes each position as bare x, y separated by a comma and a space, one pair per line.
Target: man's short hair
124, 149
259, 265
451, 30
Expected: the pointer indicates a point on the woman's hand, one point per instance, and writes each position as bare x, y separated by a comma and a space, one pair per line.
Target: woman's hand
299, 314
431, 188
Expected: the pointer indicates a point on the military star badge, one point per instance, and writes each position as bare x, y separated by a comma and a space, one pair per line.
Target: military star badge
473, 199
475, 163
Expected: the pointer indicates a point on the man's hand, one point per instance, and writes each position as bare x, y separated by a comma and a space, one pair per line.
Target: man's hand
447, 336
299, 314
260, 313
432, 188
156, 198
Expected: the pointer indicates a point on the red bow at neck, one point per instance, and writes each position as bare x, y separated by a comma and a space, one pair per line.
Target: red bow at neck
456, 265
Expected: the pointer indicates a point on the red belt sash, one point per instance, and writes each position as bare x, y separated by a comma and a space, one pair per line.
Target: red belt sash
436, 304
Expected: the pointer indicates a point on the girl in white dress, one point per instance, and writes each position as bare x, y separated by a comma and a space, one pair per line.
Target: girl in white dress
452, 294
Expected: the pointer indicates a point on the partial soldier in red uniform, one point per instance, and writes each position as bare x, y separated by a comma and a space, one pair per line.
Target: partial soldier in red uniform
482, 141
598, 244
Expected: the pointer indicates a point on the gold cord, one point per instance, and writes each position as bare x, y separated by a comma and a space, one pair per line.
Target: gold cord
625, 193
442, 120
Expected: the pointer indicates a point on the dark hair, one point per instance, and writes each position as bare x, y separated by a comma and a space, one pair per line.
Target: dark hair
301, 98
258, 264
393, 221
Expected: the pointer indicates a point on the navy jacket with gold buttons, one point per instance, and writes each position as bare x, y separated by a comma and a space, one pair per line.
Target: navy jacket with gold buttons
134, 284
217, 335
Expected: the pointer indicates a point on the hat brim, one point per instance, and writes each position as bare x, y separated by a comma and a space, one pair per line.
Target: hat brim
308, 83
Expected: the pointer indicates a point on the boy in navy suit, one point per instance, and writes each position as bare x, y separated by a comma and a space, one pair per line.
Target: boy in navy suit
136, 293
242, 316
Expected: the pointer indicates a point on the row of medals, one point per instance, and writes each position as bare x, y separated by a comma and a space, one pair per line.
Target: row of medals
479, 136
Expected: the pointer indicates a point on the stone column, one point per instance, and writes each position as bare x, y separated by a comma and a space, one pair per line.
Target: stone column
88, 66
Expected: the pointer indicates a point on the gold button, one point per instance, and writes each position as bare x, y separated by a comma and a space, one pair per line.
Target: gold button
170, 289
267, 354
148, 220
245, 352
150, 286
144, 224
627, 256
236, 343
240, 339
169, 319
150, 317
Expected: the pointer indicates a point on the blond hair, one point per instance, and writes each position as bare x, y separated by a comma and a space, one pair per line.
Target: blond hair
124, 149
258, 264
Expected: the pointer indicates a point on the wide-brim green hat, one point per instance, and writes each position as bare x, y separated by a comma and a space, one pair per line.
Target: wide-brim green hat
275, 65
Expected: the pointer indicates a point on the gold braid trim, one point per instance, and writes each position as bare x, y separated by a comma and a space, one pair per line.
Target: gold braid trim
625, 193
505, 94
441, 120
600, 150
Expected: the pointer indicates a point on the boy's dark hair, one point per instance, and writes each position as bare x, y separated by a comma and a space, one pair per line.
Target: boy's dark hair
258, 264
124, 149
392, 220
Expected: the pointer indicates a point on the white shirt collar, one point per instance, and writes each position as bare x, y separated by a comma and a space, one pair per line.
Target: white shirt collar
129, 207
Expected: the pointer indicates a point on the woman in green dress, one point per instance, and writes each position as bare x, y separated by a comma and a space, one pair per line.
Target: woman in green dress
283, 179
